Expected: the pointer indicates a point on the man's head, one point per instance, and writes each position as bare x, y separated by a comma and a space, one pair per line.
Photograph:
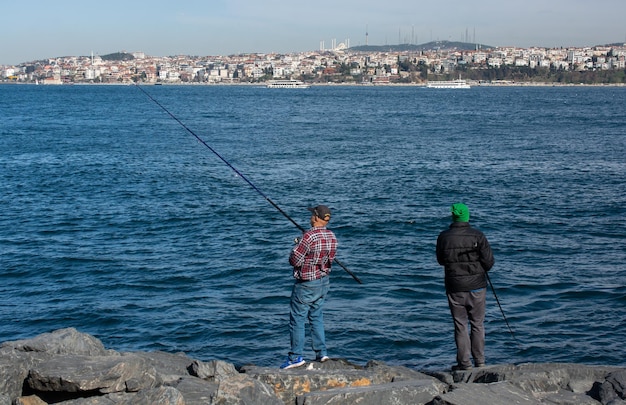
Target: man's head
321, 212
460, 212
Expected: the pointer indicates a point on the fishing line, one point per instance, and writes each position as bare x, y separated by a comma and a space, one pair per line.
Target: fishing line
501, 310
233, 168
495, 295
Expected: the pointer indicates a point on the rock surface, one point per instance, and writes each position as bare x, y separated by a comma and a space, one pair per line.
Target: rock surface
72, 368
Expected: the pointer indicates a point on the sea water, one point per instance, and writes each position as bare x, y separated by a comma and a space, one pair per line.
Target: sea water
121, 217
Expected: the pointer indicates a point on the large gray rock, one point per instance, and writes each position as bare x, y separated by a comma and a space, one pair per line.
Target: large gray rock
170, 367
19, 356
62, 341
233, 387
241, 390
14, 367
154, 396
334, 374
90, 401
544, 377
613, 389
196, 391
501, 393
415, 392
553, 383
97, 375
564, 397
212, 370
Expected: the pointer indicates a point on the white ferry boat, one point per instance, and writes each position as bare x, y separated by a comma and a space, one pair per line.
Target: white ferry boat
449, 84
287, 84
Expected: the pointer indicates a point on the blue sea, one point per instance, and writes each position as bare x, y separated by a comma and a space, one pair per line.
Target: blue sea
116, 220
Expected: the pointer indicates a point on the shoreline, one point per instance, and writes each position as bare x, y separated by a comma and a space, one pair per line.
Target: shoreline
263, 84
69, 367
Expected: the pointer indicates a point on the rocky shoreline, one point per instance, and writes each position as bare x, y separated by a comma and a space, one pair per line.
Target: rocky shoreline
72, 368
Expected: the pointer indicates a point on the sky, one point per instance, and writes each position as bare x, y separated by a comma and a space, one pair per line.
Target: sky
37, 29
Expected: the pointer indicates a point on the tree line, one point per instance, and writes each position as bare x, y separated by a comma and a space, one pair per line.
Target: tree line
416, 72
520, 74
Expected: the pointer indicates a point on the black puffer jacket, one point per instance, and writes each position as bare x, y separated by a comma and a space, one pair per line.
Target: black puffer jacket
466, 256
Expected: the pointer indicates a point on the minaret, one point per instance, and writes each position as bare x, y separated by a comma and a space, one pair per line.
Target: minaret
366, 43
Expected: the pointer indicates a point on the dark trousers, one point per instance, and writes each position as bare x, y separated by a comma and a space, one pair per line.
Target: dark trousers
464, 307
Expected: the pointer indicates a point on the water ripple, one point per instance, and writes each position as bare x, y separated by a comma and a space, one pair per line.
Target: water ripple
118, 223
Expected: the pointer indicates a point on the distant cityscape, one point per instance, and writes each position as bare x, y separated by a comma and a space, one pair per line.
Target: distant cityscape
401, 64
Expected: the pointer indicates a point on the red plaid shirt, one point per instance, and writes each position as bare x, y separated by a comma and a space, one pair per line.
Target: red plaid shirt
312, 257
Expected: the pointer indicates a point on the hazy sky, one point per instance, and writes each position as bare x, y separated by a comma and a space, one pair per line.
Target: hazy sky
36, 29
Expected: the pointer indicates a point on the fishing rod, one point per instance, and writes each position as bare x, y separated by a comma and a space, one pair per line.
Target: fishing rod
494, 294
501, 310
233, 168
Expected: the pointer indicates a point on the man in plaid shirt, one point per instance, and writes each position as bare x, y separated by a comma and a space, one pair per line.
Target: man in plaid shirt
311, 260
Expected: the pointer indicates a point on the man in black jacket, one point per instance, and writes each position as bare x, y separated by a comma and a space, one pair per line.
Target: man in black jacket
466, 256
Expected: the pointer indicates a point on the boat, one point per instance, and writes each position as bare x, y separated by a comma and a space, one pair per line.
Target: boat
448, 84
287, 84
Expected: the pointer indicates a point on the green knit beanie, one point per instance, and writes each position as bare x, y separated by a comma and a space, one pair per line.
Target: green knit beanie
460, 212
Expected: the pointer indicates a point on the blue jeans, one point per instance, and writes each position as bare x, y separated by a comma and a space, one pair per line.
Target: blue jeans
307, 301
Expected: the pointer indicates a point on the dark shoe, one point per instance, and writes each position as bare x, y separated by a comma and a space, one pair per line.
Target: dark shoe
479, 365
459, 367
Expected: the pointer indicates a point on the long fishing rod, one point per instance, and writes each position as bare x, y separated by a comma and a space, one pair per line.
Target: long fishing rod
233, 168
501, 310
